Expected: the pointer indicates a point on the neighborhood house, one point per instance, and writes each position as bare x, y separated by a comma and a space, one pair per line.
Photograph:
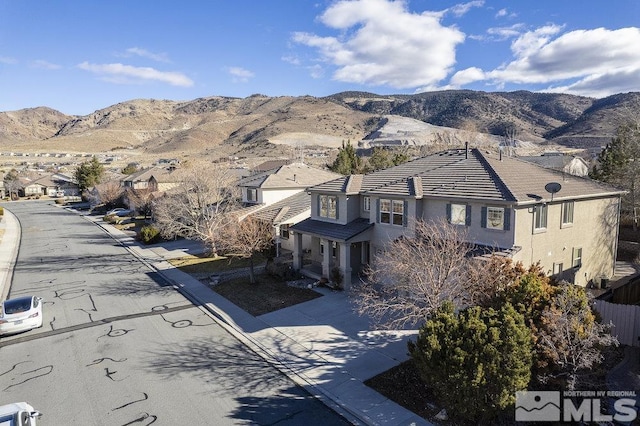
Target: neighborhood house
509, 207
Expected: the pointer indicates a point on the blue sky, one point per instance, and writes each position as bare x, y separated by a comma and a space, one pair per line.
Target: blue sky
80, 56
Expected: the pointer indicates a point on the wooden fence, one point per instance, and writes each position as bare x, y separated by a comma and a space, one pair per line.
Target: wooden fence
625, 318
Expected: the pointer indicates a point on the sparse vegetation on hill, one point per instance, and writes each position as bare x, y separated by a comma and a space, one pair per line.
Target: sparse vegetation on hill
222, 126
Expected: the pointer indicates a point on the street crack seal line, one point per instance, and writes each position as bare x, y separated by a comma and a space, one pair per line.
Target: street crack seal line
93, 324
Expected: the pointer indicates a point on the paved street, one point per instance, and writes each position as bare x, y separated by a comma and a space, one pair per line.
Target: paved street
121, 346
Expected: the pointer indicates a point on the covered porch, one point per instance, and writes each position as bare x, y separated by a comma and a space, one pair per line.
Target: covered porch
337, 252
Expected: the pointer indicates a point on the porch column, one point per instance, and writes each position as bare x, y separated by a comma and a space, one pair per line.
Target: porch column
345, 264
297, 250
326, 258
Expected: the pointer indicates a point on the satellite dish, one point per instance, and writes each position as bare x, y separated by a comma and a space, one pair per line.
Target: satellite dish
552, 188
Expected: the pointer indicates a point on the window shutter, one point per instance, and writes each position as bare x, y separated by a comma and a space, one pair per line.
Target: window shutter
507, 219
483, 217
405, 212
449, 213
467, 217
377, 210
317, 205
337, 207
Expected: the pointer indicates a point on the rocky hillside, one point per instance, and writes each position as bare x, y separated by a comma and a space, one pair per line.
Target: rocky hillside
219, 126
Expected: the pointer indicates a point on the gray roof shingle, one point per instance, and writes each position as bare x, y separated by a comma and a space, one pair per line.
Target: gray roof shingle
472, 174
333, 231
285, 210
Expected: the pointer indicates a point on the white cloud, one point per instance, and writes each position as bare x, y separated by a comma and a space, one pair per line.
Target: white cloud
382, 43
143, 53
467, 76
597, 62
574, 54
240, 75
462, 8
293, 60
7, 60
504, 33
127, 74
316, 71
45, 65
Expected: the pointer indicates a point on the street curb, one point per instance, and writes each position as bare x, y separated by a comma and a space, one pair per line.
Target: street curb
11, 244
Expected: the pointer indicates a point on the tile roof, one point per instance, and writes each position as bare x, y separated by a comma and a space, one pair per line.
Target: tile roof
284, 210
161, 174
472, 174
269, 165
296, 175
333, 231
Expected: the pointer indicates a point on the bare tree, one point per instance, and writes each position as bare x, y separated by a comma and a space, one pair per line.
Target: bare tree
198, 208
246, 238
140, 200
414, 276
110, 192
571, 337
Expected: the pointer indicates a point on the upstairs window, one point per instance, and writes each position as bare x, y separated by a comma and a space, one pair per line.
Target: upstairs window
459, 214
252, 195
328, 206
540, 216
366, 204
567, 213
495, 218
392, 212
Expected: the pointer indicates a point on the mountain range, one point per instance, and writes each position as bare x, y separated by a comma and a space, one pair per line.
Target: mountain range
262, 125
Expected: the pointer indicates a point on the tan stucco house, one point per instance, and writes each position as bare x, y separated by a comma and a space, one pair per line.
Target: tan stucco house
278, 196
504, 203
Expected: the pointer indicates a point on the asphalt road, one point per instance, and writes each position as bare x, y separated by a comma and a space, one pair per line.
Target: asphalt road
120, 346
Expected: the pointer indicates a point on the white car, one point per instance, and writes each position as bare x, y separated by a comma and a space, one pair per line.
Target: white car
115, 211
20, 314
18, 414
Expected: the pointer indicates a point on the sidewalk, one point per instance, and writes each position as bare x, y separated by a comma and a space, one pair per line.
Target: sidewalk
322, 344
10, 234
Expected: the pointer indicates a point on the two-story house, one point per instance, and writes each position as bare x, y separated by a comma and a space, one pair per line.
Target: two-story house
278, 196
154, 179
504, 204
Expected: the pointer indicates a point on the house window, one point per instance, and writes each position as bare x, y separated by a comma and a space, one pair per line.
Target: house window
284, 231
367, 203
328, 206
567, 212
392, 212
252, 195
458, 215
540, 216
557, 268
495, 218
577, 257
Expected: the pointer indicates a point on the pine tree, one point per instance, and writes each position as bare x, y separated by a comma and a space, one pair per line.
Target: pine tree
347, 162
476, 360
89, 173
618, 165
